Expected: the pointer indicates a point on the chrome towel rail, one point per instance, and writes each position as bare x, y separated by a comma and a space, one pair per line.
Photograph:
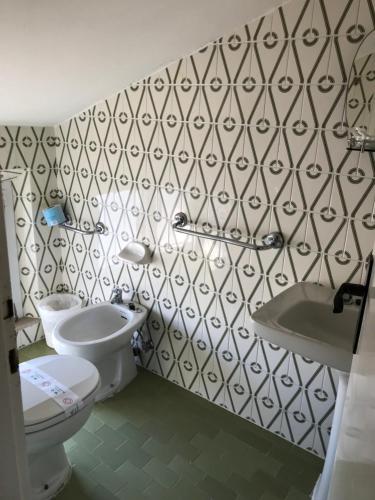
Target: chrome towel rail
271, 240
99, 229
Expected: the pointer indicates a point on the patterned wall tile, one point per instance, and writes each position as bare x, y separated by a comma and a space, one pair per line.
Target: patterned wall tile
33, 149
245, 135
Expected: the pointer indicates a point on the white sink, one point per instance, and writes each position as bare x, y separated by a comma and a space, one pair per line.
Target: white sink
301, 320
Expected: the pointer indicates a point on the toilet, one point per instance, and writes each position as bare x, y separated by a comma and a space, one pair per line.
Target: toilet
102, 333
58, 394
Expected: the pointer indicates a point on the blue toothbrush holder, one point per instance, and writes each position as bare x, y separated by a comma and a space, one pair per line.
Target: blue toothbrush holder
54, 215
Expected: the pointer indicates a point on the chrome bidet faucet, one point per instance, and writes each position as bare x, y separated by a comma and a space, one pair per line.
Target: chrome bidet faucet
116, 295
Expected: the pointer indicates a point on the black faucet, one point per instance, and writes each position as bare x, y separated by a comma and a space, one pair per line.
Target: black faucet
116, 295
349, 288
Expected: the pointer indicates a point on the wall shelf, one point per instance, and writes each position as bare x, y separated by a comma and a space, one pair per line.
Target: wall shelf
25, 322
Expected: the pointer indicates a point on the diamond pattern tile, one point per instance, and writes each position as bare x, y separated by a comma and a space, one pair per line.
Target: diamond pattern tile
246, 135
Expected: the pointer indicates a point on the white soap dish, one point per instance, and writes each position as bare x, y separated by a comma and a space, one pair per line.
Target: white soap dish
135, 252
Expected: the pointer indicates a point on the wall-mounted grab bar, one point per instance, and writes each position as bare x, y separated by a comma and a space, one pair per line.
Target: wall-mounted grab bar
99, 229
271, 240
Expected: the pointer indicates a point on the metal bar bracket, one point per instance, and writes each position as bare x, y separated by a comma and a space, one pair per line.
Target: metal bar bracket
99, 229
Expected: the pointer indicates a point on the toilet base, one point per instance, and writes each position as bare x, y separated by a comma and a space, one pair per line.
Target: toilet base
116, 370
50, 470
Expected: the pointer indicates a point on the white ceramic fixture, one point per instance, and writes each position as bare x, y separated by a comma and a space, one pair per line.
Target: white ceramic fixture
48, 425
302, 320
102, 333
135, 252
54, 308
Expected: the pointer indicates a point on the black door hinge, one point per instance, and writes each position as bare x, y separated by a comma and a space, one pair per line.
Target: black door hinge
13, 360
9, 310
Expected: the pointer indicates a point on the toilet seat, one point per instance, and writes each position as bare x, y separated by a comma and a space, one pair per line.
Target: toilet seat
39, 409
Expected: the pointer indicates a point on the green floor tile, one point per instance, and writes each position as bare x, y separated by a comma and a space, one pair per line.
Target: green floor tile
216, 489
109, 436
111, 480
186, 469
205, 443
34, 350
155, 491
155, 440
83, 460
162, 451
296, 478
93, 424
184, 448
268, 464
111, 456
134, 454
212, 465
79, 487
134, 477
269, 496
271, 485
70, 445
158, 430
113, 417
185, 490
245, 487
257, 437
130, 431
87, 440
161, 473
181, 425
129, 493
130, 412
235, 446
295, 494
101, 493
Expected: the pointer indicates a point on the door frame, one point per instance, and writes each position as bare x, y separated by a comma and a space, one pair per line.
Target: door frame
14, 471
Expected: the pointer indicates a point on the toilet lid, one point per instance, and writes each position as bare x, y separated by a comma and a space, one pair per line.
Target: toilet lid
76, 374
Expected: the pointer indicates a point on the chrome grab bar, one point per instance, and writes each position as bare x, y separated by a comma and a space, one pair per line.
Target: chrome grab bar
99, 229
271, 240
359, 140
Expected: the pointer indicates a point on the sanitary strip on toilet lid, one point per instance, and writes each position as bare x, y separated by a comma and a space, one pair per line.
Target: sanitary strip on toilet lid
64, 397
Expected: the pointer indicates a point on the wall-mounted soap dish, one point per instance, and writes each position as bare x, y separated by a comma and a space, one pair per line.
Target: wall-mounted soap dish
135, 252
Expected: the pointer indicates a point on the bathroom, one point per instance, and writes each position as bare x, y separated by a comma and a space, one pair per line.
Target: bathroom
123, 135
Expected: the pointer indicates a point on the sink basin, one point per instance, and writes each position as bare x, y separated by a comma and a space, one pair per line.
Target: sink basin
301, 320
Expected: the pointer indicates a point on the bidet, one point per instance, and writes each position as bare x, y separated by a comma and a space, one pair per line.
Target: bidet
101, 333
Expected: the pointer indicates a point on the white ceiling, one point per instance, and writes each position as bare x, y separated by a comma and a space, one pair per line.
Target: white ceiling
59, 56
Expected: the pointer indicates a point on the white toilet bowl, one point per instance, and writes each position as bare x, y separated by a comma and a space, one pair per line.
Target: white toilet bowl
102, 333
48, 424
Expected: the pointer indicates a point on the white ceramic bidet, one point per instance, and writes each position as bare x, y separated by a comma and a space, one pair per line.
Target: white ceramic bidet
102, 333
51, 416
